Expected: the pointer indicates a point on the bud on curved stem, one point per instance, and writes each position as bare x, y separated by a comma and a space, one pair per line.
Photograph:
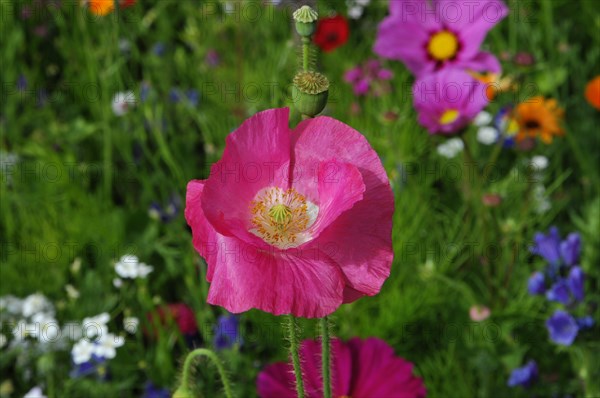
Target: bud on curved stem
184, 390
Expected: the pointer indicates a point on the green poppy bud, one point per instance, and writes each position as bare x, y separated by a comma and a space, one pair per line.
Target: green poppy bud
310, 92
305, 18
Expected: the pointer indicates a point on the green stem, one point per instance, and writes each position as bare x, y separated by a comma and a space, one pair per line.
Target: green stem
294, 343
326, 356
305, 51
215, 360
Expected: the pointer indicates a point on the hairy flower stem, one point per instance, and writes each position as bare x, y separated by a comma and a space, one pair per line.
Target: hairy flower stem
305, 53
326, 356
215, 360
292, 328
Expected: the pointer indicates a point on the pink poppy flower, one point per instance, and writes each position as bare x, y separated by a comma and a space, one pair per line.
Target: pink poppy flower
369, 76
431, 35
479, 313
448, 100
293, 221
360, 368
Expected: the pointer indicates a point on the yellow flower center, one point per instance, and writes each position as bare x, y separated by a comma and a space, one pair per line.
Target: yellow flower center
449, 116
282, 217
443, 45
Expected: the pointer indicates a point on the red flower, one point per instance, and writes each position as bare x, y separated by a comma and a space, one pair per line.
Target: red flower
332, 32
179, 314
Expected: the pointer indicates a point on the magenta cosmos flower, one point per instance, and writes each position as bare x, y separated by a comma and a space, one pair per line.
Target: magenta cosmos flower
360, 368
448, 100
293, 221
431, 35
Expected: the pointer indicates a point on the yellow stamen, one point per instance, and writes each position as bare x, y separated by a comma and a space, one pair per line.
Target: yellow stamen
449, 116
282, 218
443, 45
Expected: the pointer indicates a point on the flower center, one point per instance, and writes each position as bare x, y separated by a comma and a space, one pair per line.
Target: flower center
282, 217
443, 45
532, 124
449, 116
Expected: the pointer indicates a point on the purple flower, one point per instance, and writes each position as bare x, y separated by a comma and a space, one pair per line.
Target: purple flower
570, 249
559, 292
562, 328
536, 284
547, 246
227, 332
448, 101
93, 367
175, 95
212, 58
575, 281
165, 214
524, 376
369, 77
585, 322
153, 391
21, 82
435, 35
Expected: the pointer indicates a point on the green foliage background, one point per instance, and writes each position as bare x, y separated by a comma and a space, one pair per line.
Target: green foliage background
86, 177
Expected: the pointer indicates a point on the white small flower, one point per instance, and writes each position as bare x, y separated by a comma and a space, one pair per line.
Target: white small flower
363, 3
35, 303
355, 12
49, 329
117, 282
72, 292
82, 351
107, 346
3, 340
540, 200
11, 304
144, 270
487, 135
130, 267
96, 325
130, 324
450, 148
124, 45
228, 7
122, 102
35, 392
539, 162
482, 119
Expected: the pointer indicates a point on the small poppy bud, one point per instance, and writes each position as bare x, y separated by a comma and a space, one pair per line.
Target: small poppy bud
183, 392
310, 92
305, 18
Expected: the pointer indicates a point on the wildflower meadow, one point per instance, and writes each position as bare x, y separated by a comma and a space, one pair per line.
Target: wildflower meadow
313, 199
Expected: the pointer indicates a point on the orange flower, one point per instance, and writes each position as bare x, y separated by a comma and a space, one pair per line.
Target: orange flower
493, 83
104, 7
539, 117
592, 92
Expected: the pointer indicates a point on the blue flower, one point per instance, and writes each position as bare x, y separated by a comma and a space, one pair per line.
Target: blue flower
175, 95
159, 49
570, 249
165, 214
95, 366
192, 96
21, 83
536, 284
586, 322
562, 328
152, 391
524, 376
575, 282
227, 332
548, 246
559, 292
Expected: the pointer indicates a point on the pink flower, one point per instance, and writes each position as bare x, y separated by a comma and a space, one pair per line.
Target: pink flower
448, 100
431, 35
479, 313
369, 77
360, 368
293, 221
